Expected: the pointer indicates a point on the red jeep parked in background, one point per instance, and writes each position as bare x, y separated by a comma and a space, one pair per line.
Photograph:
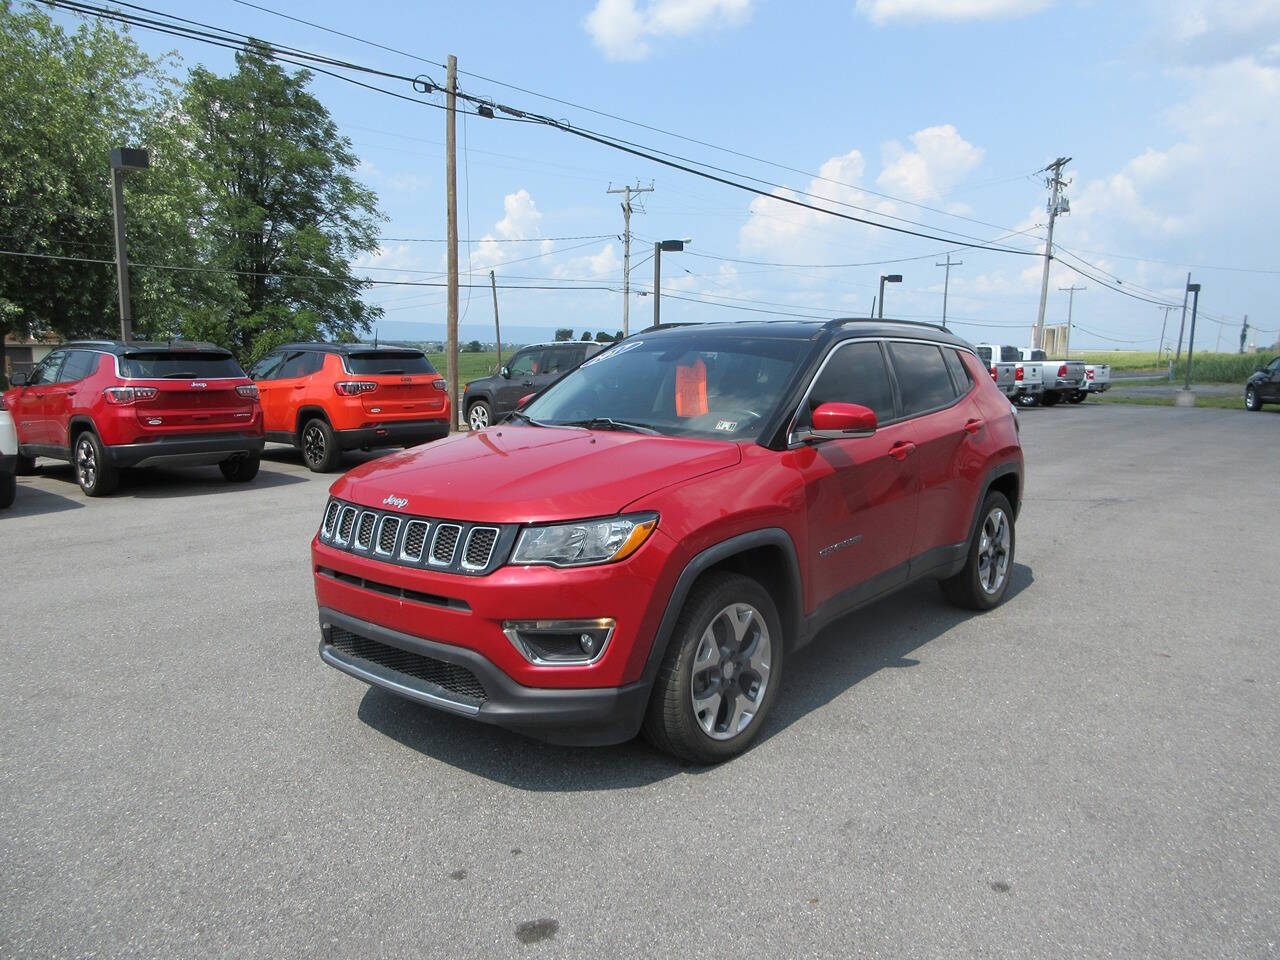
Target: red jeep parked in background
325, 398
104, 405
646, 543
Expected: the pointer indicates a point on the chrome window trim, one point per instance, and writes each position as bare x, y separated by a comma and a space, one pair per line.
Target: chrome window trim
467, 547
404, 540
431, 554
377, 539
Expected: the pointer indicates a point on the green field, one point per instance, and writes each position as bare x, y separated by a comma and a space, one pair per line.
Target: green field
471, 366
1158, 400
1206, 367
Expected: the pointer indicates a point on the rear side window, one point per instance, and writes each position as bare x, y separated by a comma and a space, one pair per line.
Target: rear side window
559, 360
79, 364
922, 376
180, 365
959, 372
856, 374
371, 363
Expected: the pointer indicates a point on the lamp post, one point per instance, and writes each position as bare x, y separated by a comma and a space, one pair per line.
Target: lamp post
671, 246
889, 278
123, 159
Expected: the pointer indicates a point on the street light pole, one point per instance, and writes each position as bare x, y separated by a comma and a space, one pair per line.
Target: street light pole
889, 278
671, 246
123, 159
1194, 290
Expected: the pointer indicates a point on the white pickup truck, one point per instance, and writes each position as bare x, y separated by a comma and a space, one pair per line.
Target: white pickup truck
1003, 360
1060, 379
1097, 379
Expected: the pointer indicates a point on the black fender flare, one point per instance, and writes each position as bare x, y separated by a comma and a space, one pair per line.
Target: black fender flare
701, 562
994, 474
79, 424
308, 413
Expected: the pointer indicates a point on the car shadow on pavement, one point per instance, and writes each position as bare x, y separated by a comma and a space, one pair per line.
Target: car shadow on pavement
352, 458
162, 483
878, 637
32, 502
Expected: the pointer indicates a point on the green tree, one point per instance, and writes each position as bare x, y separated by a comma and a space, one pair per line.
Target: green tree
282, 208
602, 337
563, 333
586, 336
474, 347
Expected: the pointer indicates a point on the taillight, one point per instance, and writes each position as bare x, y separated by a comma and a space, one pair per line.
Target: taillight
249, 390
1062, 370
439, 385
353, 388
1018, 373
1088, 374
993, 372
122, 396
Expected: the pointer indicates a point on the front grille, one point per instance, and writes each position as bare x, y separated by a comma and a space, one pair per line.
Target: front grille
480, 543
445, 544
364, 532
459, 682
387, 535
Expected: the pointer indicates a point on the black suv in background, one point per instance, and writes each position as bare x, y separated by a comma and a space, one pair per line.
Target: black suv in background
1263, 386
531, 370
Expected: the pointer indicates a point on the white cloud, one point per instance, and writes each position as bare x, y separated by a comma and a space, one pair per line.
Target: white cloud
624, 31
883, 11
775, 223
940, 160
520, 221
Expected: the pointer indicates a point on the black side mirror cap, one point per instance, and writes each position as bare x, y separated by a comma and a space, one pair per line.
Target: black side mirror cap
20, 380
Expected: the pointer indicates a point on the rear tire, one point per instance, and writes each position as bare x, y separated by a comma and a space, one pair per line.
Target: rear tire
1077, 397
984, 580
721, 671
25, 466
8, 489
479, 415
1251, 401
1028, 400
1049, 399
96, 476
319, 446
241, 469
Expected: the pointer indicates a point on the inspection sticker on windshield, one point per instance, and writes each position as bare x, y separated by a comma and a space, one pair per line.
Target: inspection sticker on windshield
727, 425
615, 352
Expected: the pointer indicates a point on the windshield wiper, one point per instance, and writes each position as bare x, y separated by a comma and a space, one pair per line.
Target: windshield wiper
608, 423
179, 376
526, 418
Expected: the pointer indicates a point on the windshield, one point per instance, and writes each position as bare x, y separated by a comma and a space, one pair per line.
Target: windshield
374, 362
713, 385
176, 365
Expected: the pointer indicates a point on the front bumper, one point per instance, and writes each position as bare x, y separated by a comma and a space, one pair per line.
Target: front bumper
464, 682
184, 450
407, 433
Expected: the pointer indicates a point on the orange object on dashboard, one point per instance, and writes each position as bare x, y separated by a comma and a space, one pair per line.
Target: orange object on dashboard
691, 389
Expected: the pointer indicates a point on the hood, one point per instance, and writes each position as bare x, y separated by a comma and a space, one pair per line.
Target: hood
512, 474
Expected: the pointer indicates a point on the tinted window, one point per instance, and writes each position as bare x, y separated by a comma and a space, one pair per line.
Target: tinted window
856, 374
985, 354
922, 376
266, 368
300, 363
180, 365
560, 359
1038, 356
526, 363
959, 372
80, 363
1010, 354
47, 370
375, 362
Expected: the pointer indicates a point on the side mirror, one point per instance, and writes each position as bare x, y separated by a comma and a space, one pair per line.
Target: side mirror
525, 399
506, 373
18, 380
839, 421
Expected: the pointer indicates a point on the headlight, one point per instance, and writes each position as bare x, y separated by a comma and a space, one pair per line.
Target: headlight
584, 542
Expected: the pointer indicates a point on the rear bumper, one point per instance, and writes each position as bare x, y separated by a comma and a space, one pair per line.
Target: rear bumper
593, 716
184, 451
1098, 387
407, 433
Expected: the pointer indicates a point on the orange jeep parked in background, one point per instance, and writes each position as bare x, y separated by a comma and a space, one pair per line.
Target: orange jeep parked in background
325, 398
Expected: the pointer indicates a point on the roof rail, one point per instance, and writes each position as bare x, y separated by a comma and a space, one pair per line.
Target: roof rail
841, 321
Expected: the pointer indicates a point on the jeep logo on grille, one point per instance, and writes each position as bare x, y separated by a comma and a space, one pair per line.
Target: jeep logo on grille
199, 383
393, 501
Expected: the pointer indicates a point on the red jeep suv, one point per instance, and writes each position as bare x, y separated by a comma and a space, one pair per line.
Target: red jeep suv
325, 398
646, 543
104, 405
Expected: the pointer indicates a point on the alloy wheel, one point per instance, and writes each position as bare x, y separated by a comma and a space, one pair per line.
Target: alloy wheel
993, 551
313, 444
86, 463
731, 671
1250, 399
478, 417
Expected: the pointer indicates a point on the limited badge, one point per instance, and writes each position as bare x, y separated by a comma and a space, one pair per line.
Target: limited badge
728, 426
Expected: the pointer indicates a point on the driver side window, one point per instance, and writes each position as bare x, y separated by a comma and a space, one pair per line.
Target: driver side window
265, 369
855, 373
525, 364
47, 370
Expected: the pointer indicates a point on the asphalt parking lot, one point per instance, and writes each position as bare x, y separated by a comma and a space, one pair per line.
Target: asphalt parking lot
1093, 770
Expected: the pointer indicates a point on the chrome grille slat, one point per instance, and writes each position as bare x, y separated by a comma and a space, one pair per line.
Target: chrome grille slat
345, 525
388, 534
415, 538
445, 544
364, 530
479, 548
330, 519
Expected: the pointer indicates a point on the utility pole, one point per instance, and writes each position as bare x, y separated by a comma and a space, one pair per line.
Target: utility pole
1057, 204
1183, 325
626, 247
946, 283
497, 327
1071, 297
1194, 290
1217, 343
1244, 332
1163, 324
451, 210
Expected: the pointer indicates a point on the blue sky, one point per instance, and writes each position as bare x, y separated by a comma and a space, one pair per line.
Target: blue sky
1168, 109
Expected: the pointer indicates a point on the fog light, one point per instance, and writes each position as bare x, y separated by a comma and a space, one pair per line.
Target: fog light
560, 642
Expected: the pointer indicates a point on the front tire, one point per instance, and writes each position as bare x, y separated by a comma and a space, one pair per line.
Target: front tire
8, 489
1028, 400
319, 446
241, 469
1251, 401
1049, 399
479, 415
96, 476
984, 580
721, 671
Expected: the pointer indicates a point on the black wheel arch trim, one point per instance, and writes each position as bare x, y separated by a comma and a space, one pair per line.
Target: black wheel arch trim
708, 558
305, 416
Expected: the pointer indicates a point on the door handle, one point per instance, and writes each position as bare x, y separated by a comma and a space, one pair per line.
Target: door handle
299, 386
901, 450
973, 426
